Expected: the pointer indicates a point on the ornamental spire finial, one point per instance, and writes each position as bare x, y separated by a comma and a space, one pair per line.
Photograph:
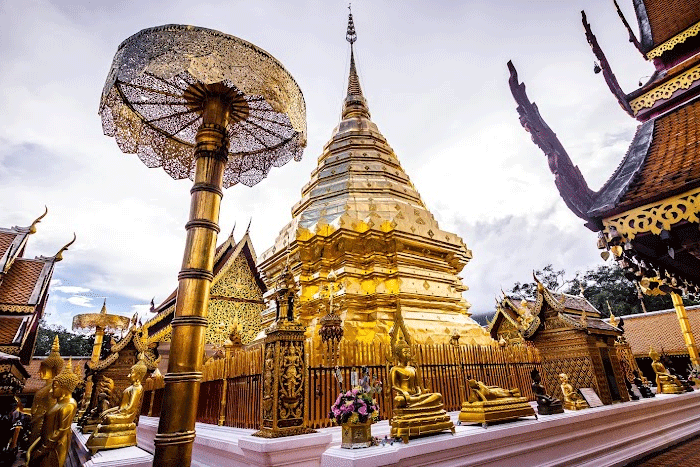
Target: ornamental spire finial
355, 103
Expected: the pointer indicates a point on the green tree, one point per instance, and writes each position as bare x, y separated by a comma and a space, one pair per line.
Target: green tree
551, 279
71, 343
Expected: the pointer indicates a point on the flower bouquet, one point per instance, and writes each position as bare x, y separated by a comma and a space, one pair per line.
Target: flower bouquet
355, 410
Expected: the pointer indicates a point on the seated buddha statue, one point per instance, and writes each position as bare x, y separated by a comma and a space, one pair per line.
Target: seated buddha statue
546, 404
666, 383
51, 448
572, 399
117, 427
416, 410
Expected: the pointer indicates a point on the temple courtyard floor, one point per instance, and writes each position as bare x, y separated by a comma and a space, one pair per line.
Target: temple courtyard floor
615, 435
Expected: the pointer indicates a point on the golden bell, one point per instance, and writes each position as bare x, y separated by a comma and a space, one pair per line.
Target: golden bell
605, 255
616, 250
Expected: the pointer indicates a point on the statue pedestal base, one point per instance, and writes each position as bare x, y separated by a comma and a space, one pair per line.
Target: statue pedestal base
410, 423
99, 441
498, 410
550, 409
79, 455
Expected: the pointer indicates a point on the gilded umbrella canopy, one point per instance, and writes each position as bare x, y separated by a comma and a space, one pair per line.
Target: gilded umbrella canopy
153, 100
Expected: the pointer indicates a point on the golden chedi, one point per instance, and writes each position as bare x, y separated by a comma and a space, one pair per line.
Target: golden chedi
361, 217
51, 448
666, 383
117, 427
43, 399
572, 399
417, 411
486, 404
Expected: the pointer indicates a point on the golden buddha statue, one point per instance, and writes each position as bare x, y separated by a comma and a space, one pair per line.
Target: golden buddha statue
417, 411
43, 400
572, 399
487, 404
117, 427
666, 383
51, 448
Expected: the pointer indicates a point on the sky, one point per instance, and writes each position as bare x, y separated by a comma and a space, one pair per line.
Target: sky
435, 77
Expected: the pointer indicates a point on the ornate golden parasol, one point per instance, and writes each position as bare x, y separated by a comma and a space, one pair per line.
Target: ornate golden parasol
100, 323
217, 109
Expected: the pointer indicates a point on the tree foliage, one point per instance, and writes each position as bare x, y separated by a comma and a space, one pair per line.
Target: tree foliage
602, 285
71, 343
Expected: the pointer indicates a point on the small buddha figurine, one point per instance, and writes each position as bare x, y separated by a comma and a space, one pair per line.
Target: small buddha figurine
572, 399
43, 400
51, 448
416, 410
644, 389
546, 404
666, 383
117, 427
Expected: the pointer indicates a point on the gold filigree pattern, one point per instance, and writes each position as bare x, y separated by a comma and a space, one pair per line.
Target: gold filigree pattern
579, 369
16, 308
679, 38
666, 90
656, 217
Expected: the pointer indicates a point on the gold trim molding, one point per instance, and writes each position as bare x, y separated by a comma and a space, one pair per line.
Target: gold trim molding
17, 308
666, 90
679, 38
656, 217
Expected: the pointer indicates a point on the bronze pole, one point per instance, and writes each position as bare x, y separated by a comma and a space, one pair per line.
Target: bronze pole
173, 443
685, 328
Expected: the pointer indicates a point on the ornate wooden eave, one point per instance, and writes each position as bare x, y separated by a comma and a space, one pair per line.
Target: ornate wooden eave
571, 185
609, 76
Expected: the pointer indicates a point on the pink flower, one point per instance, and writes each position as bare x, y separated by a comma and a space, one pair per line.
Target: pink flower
362, 410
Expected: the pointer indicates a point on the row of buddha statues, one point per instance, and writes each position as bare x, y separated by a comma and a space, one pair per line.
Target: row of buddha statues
418, 411
54, 410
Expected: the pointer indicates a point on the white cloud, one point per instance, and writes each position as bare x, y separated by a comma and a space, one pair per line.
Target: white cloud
70, 289
80, 301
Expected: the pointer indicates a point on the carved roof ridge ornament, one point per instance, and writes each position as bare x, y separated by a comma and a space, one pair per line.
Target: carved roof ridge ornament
355, 104
152, 101
571, 184
632, 38
610, 78
548, 296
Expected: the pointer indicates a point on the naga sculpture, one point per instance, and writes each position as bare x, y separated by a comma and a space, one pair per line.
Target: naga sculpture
416, 410
117, 427
44, 400
51, 448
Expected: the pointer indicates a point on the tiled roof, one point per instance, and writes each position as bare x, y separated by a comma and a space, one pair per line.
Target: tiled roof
670, 17
19, 283
577, 302
8, 328
6, 239
661, 330
672, 164
34, 383
593, 323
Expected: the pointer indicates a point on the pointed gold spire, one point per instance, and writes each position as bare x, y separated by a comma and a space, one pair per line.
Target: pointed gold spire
104, 307
355, 102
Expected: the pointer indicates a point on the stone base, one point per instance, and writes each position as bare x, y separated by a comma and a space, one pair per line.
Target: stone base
498, 410
411, 423
79, 455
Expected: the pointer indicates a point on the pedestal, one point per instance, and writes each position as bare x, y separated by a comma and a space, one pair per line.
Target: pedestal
283, 388
79, 455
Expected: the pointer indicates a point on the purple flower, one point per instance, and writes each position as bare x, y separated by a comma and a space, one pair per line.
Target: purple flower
362, 410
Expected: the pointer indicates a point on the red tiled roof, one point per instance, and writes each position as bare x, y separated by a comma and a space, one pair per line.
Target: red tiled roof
660, 330
18, 284
6, 239
8, 328
670, 17
672, 165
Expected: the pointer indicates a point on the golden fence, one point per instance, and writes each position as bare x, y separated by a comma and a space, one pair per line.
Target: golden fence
442, 368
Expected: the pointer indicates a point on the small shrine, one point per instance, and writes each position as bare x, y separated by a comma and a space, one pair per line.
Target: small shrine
24, 291
236, 298
361, 217
572, 338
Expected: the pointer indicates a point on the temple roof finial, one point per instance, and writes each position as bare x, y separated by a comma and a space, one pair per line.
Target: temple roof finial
355, 103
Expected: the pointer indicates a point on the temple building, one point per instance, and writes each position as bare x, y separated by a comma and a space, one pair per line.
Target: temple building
24, 291
236, 299
647, 213
572, 338
361, 218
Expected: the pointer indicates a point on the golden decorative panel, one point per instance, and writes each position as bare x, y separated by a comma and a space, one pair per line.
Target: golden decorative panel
666, 90
692, 31
580, 371
656, 217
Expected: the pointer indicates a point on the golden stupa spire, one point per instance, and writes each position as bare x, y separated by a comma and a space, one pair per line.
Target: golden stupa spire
355, 102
